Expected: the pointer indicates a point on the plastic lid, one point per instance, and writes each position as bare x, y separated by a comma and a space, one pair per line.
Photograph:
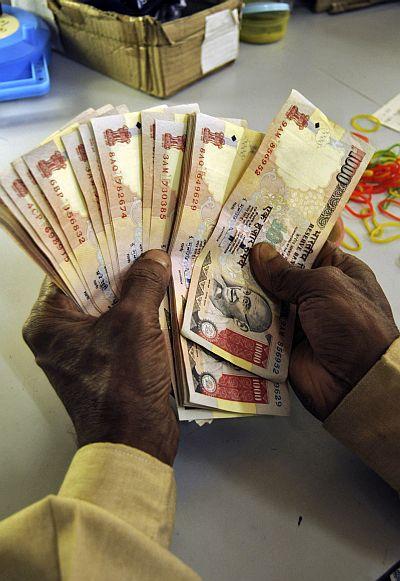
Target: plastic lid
24, 54
260, 7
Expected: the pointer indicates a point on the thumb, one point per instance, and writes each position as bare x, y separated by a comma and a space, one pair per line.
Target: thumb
147, 280
277, 277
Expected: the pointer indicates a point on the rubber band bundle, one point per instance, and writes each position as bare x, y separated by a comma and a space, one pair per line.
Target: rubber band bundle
381, 177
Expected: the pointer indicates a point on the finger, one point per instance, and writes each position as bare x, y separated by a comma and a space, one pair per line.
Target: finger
357, 270
277, 277
147, 280
331, 255
51, 295
51, 309
353, 267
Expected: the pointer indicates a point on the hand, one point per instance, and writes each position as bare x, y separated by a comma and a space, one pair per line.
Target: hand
345, 323
111, 373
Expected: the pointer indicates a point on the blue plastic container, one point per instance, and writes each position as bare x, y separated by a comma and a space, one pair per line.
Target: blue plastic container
25, 52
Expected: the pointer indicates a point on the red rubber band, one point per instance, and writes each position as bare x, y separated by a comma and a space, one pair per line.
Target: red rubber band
386, 212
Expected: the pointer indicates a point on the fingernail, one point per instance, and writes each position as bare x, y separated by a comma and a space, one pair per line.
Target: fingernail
158, 256
265, 252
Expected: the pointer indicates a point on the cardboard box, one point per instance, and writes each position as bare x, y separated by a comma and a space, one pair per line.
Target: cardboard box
157, 58
337, 6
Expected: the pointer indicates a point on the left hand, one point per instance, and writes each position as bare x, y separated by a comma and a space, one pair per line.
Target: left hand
111, 373
344, 321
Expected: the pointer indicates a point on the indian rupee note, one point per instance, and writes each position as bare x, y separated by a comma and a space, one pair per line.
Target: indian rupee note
118, 139
148, 119
78, 157
170, 138
20, 202
290, 196
220, 385
39, 205
89, 142
217, 146
40, 199
184, 414
52, 170
212, 155
14, 228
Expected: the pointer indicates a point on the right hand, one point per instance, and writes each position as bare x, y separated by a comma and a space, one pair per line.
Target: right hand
345, 322
112, 372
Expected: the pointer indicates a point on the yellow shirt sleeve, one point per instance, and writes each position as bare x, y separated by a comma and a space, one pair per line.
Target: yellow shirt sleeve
112, 519
368, 419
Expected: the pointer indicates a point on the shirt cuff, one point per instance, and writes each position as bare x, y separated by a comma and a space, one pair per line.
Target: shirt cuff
367, 420
126, 482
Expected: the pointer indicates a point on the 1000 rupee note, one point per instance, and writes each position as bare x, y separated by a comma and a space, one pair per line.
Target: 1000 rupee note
290, 196
118, 139
89, 142
78, 157
213, 152
39, 205
13, 226
19, 201
170, 138
215, 383
90, 263
191, 413
53, 172
149, 117
220, 152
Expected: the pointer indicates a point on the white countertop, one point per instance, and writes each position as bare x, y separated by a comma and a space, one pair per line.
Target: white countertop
242, 484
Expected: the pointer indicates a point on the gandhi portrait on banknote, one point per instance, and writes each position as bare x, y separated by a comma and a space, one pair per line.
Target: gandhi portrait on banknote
248, 309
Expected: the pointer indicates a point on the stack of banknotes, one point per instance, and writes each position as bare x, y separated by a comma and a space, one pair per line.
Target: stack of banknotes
112, 184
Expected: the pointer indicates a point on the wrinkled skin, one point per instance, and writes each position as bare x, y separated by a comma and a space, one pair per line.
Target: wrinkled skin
111, 373
344, 322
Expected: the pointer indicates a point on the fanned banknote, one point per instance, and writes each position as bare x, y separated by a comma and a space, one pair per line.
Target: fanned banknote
149, 118
110, 181
19, 201
93, 158
220, 152
170, 140
78, 157
37, 204
118, 139
53, 172
290, 196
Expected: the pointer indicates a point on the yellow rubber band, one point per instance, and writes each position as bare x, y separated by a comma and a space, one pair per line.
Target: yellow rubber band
375, 224
374, 235
376, 123
355, 239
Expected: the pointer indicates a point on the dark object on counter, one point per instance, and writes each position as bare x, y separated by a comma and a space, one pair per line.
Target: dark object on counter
130, 7
337, 6
391, 574
162, 10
